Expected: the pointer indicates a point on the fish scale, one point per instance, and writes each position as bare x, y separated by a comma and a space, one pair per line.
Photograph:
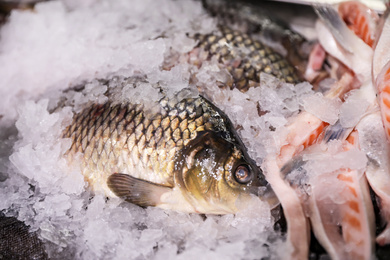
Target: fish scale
99, 128
244, 57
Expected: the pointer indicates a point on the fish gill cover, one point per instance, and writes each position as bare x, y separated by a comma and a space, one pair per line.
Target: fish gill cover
64, 44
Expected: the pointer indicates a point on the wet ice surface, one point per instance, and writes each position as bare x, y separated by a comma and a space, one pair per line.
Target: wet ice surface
60, 45
65, 44
51, 197
90, 42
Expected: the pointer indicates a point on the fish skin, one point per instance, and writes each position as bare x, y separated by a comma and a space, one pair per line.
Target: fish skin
186, 150
252, 19
262, 25
244, 57
343, 219
377, 125
342, 43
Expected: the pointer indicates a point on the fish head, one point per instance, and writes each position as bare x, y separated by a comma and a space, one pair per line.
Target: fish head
216, 176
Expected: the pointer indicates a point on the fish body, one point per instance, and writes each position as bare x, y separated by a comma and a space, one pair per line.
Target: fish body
263, 26
254, 20
178, 153
244, 57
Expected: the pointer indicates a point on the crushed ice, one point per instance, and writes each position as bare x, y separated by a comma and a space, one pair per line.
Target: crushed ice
65, 44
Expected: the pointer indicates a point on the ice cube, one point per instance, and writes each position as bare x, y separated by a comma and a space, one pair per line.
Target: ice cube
324, 108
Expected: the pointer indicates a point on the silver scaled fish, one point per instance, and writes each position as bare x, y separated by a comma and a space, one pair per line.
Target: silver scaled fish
251, 40
178, 153
244, 57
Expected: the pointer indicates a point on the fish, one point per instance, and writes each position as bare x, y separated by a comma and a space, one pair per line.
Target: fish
348, 37
345, 226
258, 22
373, 70
378, 148
360, 19
264, 26
373, 143
340, 42
342, 216
244, 57
178, 153
305, 130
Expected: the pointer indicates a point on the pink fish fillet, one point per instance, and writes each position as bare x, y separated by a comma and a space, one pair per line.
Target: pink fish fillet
345, 228
316, 60
304, 131
383, 88
379, 177
373, 142
342, 43
360, 19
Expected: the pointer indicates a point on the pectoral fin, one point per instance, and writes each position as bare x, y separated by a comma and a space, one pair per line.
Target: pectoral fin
137, 191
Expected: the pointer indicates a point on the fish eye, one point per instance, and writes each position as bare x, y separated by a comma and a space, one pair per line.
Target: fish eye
243, 174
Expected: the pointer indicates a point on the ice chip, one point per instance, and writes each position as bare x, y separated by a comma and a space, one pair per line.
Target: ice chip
57, 205
73, 183
320, 160
352, 110
303, 88
324, 108
151, 235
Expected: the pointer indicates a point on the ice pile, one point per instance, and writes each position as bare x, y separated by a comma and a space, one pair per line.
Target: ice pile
354, 108
258, 113
50, 196
63, 44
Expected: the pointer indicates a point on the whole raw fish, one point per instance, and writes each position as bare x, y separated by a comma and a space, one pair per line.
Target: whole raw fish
178, 153
263, 26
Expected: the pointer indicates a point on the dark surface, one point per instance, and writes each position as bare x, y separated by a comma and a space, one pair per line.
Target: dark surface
381, 252
16, 242
6, 6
